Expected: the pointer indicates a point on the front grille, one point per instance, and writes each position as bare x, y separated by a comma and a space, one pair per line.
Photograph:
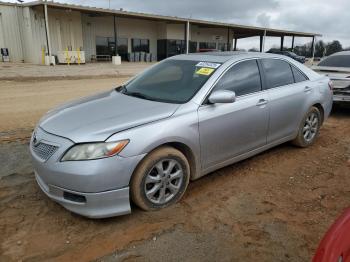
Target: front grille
44, 151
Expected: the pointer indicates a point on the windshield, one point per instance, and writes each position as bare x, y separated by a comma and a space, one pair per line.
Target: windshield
336, 61
172, 81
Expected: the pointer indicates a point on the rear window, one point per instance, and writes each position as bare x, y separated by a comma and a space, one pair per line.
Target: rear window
298, 76
278, 72
336, 61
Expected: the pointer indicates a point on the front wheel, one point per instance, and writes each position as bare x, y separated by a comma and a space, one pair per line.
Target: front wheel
309, 128
161, 179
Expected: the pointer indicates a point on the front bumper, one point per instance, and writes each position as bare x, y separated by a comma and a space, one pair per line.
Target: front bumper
92, 188
93, 205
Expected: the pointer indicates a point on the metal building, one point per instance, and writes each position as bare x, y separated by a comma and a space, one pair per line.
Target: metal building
35, 29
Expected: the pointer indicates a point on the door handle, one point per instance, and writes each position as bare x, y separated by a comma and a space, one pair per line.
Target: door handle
261, 102
307, 89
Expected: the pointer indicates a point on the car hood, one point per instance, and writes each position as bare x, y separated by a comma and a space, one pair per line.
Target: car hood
97, 117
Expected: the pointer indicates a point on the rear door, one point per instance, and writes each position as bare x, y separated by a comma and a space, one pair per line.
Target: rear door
228, 130
288, 89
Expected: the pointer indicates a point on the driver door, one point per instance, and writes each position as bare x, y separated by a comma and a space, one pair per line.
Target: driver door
231, 129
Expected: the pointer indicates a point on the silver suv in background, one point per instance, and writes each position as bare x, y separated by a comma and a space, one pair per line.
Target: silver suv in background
177, 121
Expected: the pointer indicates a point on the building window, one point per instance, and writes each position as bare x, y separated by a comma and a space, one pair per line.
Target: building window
193, 47
176, 47
207, 45
223, 47
140, 45
105, 47
170, 47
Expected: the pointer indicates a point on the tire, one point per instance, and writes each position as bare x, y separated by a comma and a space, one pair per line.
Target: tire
303, 139
155, 184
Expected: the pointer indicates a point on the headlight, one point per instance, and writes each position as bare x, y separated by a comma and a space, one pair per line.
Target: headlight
90, 151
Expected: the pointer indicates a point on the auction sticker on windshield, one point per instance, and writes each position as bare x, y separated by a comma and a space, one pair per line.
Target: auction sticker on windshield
208, 64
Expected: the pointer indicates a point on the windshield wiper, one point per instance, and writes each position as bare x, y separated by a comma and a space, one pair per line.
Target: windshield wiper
139, 95
122, 89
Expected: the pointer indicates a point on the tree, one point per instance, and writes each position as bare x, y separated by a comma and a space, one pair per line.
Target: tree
320, 48
302, 50
333, 47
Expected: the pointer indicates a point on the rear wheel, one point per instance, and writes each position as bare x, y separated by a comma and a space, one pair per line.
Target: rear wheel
309, 128
161, 179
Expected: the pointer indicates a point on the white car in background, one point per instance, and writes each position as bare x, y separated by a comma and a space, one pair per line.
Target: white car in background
337, 68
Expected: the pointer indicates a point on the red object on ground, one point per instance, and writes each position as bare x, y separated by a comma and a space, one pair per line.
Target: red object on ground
335, 245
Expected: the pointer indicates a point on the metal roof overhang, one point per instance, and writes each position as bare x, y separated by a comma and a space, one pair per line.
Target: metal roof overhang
240, 31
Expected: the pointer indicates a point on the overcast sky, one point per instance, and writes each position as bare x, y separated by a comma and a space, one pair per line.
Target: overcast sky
331, 18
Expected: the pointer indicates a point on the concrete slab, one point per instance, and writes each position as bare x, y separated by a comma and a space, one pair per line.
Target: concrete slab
26, 71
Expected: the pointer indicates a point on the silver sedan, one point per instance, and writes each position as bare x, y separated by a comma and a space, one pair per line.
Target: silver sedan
337, 68
177, 121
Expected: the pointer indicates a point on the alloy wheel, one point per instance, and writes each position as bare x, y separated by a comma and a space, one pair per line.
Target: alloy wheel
163, 181
310, 127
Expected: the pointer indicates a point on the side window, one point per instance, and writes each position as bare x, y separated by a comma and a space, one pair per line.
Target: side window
278, 72
243, 78
298, 76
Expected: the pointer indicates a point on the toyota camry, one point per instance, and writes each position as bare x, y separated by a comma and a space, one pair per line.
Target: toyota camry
182, 118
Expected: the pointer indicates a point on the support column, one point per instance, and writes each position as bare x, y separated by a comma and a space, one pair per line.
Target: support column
187, 36
292, 42
47, 31
262, 42
115, 37
228, 40
282, 41
313, 47
235, 45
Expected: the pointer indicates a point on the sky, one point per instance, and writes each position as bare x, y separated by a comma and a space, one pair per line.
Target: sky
331, 18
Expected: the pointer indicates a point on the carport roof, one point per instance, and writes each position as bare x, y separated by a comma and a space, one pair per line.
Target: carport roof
240, 31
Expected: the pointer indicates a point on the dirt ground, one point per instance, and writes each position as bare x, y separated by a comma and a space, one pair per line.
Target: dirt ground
22, 103
273, 207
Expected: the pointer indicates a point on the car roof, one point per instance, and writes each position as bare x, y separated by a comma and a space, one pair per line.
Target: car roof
341, 53
222, 57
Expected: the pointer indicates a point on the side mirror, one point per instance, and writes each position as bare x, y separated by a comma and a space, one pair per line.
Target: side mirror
222, 96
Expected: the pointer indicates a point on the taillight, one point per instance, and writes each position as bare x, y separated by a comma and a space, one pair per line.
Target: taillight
330, 85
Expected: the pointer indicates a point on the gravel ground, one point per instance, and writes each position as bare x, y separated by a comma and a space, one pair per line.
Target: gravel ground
273, 207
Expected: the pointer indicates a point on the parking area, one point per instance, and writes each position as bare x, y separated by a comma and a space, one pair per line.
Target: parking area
273, 207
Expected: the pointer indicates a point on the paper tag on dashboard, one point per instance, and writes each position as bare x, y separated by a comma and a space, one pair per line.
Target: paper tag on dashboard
208, 64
